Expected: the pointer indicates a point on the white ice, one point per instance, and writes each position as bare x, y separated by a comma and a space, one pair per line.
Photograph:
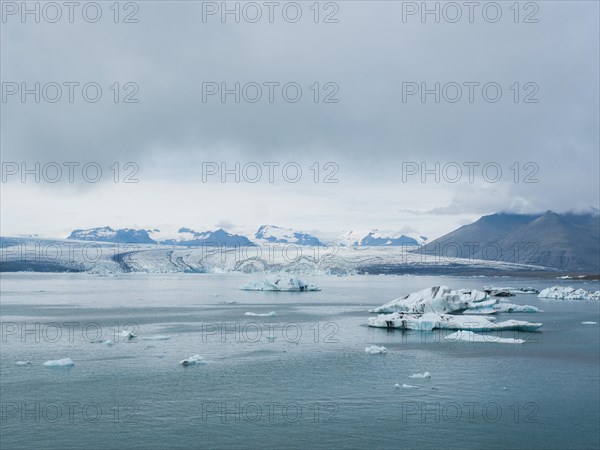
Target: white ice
374, 350
280, 283
589, 323
431, 321
269, 314
569, 293
196, 359
421, 375
127, 334
23, 363
59, 363
469, 336
156, 338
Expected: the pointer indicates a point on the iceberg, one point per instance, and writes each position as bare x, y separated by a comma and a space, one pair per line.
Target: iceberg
511, 291
421, 375
503, 307
23, 363
196, 359
441, 299
432, 321
469, 336
277, 283
269, 314
569, 293
66, 362
374, 350
437, 299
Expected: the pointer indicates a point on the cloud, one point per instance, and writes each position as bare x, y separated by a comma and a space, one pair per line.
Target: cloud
368, 134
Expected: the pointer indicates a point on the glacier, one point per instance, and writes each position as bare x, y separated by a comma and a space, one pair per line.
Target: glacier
106, 258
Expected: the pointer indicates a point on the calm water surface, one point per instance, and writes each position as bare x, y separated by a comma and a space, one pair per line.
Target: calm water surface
299, 379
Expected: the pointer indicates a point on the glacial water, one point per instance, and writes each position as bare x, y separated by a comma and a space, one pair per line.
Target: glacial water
298, 379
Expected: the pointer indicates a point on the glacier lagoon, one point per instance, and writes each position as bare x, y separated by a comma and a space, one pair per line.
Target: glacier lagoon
300, 378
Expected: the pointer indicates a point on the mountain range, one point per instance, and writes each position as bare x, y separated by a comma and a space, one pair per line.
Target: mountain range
562, 241
265, 234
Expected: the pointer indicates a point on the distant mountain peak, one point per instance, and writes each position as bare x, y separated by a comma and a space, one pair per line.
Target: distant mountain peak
276, 234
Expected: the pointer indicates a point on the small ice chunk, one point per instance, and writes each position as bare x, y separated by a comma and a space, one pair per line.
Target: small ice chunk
127, 334
421, 375
196, 359
23, 363
109, 342
469, 336
269, 314
59, 363
589, 323
156, 338
408, 386
374, 350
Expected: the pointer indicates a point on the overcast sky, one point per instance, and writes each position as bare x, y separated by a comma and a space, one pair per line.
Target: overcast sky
370, 141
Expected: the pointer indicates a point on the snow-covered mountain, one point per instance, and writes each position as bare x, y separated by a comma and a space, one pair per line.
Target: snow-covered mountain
183, 236
272, 233
376, 238
107, 234
220, 237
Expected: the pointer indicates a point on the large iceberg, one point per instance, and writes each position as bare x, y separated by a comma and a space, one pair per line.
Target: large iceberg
442, 300
437, 299
432, 321
569, 293
280, 283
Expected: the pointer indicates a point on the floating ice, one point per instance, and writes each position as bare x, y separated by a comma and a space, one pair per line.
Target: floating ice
432, 321
589, 323
127, 334
569, 293
408, 386
156, 338
374, 350
493, 290
421, 375
280, 283
59, 363
23, 363
469, 336
109, 342
502, 307
439, 299
196, 359
269, 314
